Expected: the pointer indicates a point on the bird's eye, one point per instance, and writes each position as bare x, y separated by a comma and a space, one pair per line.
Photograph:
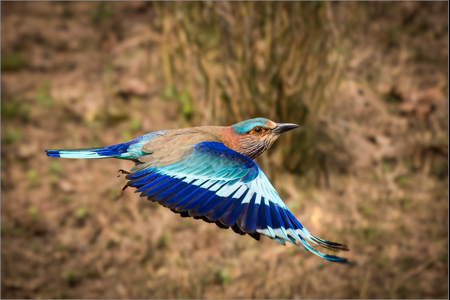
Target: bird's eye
256, 130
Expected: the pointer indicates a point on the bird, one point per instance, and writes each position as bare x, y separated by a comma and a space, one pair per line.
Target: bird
209, 173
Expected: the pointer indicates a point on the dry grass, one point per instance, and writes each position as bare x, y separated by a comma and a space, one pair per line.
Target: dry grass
367, 80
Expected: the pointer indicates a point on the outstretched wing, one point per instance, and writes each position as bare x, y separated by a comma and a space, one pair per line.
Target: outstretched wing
217, 184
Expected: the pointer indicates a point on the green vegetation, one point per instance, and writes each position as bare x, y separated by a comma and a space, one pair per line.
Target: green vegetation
72, 277
183, 99
441, 170
13, 135
223, 278
101, 13
134, 124
164, 240
33, 178
127, 136
55, 168
12, 62
81, 213
14, 109
43, 97
33, 212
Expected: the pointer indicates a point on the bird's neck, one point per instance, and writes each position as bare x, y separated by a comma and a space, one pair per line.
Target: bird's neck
228, 137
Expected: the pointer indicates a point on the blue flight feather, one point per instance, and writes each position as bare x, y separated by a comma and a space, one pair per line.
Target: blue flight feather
226, 187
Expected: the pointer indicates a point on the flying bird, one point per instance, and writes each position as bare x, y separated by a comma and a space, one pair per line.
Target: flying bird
208, 173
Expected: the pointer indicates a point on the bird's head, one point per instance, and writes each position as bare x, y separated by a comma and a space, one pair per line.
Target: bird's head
257, 135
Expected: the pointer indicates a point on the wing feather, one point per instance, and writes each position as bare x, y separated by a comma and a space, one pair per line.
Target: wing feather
218, 185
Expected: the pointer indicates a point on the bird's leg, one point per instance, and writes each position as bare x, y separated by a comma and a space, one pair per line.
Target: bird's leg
121, 192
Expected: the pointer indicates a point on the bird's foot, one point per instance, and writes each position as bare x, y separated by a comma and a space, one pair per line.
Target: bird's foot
122, 171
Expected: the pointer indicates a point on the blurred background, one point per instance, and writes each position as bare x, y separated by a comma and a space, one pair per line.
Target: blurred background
368, 81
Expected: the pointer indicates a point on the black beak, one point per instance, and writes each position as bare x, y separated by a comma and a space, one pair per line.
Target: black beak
283, 127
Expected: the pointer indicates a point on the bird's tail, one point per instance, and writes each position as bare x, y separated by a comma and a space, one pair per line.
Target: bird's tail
130, 150
115, 151
104, 152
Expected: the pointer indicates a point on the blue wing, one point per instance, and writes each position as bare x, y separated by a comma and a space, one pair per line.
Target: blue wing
219, 185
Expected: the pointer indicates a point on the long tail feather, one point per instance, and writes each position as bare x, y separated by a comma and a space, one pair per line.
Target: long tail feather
83, 153
130, 150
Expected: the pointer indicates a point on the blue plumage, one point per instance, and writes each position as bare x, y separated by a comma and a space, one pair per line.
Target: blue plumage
130, 150
248, 125
207, 180
228, 188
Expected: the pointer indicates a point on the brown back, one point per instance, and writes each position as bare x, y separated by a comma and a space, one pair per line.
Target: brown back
172, 145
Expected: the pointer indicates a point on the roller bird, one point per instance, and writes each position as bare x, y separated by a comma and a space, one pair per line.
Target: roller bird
209, 173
